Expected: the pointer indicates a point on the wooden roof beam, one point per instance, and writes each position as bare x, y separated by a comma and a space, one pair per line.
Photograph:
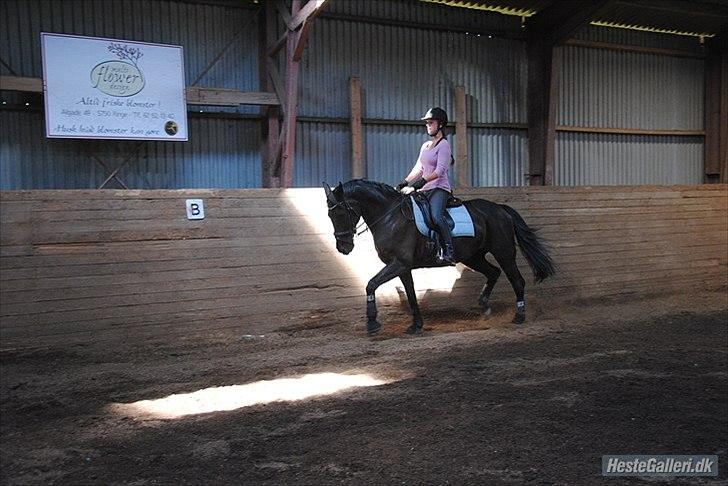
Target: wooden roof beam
314, 8
18, 83
195, 94
307, 13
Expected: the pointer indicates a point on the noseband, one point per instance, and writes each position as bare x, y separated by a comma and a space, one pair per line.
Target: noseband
352, 230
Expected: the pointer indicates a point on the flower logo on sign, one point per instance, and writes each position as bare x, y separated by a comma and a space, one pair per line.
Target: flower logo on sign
119, 78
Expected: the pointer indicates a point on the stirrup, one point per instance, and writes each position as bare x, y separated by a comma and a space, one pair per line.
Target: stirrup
450, 260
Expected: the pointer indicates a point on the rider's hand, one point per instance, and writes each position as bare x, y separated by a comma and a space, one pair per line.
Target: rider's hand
417, 183
401, 185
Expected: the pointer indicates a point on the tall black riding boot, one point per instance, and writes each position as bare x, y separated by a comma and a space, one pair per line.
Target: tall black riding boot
438, 201
448, 252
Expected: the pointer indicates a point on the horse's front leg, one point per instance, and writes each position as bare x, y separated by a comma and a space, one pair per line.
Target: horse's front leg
409, 287
391, 270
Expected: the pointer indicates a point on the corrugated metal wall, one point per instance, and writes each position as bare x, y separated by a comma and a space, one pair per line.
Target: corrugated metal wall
404, 71
403, 68
498, 157
601, 88
609, 89
221, 153
391, 151
202, 29
322, 153
606, 159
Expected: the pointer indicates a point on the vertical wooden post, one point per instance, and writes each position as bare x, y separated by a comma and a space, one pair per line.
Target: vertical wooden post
547, 30
358, 170
270, 126
553, 114
723, 150
543, 79
281, 149
712, 117
462, 164
289, 150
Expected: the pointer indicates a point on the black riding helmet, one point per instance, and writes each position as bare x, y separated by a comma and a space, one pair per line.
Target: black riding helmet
440, 115
436, 114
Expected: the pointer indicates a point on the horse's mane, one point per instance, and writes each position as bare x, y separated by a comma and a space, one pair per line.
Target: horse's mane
353, 185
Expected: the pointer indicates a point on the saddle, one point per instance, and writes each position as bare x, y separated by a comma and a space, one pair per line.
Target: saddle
456, 215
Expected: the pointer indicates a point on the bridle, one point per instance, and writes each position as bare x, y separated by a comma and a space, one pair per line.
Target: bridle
354, 231
349, 233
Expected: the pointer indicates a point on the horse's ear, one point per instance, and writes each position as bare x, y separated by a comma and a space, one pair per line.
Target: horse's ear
329, 195
339, 189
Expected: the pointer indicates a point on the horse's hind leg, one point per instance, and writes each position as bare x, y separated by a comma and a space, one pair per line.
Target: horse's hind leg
491, 272
409, 287
508, 264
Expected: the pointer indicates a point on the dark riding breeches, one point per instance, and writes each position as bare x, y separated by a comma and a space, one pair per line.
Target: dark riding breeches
438, 200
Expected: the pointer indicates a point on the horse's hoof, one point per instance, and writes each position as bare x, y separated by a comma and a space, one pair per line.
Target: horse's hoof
413, 330
519, 319
487, 311
373, 327
485, 304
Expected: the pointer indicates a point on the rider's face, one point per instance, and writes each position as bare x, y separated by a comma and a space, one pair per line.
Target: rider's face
432, 127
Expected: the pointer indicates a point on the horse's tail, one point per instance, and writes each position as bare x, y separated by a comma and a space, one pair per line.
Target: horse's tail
531, 246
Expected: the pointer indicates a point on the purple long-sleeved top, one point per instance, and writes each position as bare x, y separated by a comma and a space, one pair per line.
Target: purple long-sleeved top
433, 160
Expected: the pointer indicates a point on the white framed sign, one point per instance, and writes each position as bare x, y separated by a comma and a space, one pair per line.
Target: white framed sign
195, 209
113, 89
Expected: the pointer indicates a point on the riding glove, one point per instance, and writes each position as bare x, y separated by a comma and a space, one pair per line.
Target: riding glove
418, 183
402, 185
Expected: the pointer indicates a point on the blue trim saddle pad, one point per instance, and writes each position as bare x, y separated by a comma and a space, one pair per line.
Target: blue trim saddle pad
460, 215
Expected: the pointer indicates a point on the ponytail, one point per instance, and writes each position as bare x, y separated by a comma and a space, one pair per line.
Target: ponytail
444, 137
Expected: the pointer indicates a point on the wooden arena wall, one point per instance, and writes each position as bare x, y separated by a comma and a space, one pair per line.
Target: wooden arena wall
120, 266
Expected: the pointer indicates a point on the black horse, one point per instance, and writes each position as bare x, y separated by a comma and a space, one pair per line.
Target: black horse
402, 248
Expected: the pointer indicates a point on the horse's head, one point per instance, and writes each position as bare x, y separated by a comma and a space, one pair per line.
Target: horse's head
344, 216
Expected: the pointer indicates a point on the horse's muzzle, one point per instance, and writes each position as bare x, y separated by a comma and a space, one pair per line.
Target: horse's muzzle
345, 247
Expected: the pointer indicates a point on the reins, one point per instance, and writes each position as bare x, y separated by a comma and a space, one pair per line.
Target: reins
364, 223
354, 230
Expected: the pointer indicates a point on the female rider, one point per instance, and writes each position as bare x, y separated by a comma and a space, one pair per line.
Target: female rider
429, 176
